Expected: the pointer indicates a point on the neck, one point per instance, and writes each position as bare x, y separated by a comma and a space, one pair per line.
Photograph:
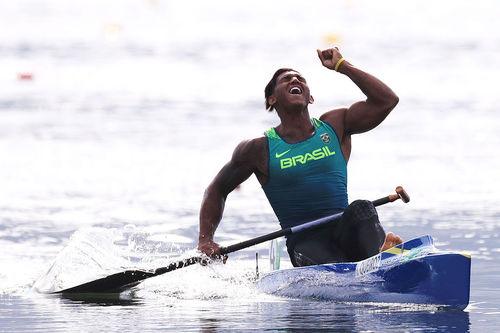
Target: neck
295, 127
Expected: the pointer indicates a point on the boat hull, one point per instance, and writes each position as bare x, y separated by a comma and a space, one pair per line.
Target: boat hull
414, 272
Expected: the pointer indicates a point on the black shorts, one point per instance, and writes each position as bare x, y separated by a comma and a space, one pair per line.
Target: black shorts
356, 236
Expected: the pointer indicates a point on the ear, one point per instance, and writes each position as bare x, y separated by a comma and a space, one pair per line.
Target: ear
271, 100
311, 99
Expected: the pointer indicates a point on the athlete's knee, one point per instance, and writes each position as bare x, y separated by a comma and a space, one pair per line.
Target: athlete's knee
362, 210
361, 204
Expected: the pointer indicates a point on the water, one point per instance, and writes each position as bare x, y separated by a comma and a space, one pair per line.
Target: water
133, 106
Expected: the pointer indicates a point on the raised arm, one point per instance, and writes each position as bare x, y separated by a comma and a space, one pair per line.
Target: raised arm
236, 171
364, 115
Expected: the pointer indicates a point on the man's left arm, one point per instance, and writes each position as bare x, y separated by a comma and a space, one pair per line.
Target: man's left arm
368, 114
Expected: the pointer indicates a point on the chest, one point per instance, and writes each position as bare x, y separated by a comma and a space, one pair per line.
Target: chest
317, 155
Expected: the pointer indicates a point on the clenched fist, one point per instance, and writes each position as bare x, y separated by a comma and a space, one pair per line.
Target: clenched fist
329, 57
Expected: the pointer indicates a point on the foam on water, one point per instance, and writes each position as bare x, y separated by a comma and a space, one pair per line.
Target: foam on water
93, 253
90, 254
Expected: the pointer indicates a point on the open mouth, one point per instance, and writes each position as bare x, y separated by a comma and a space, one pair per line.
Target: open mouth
295, 90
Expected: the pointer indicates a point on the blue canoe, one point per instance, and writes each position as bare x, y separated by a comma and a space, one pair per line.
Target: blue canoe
412, 272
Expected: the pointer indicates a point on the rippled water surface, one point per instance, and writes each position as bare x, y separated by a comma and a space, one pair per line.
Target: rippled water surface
115, 115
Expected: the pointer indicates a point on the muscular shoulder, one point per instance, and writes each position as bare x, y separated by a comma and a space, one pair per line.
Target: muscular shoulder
250, 151
336, 119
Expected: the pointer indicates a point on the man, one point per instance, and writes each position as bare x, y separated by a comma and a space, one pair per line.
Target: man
301, 165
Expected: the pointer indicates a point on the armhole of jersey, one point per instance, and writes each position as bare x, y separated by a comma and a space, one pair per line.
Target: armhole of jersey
336, 135
268, 160
333, 130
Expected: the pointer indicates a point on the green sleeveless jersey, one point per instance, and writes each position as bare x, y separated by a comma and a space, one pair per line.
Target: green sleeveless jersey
308, 179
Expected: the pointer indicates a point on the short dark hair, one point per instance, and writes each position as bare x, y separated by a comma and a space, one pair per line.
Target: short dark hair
268, 91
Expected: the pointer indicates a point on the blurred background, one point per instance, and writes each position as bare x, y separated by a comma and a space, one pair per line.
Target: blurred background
115, 115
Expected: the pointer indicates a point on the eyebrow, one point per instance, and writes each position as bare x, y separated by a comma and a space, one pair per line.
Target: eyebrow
290, 74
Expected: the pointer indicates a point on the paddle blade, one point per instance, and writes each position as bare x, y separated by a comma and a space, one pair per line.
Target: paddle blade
122, 281
114, 283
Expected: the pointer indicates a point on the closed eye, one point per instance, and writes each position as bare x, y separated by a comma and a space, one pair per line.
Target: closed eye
289, 77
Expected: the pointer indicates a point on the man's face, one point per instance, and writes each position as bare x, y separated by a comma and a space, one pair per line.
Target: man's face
291, 90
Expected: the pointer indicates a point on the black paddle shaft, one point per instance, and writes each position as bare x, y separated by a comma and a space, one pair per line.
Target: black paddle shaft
122, 281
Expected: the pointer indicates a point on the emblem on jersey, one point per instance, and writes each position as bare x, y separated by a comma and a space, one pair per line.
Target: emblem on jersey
325, 137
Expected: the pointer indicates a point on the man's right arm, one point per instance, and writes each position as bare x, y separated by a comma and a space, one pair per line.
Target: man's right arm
236, 171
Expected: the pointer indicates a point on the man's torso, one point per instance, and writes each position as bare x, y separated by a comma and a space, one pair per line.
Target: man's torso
308, 179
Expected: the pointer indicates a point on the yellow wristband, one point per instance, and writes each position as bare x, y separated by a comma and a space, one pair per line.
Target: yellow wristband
337, 65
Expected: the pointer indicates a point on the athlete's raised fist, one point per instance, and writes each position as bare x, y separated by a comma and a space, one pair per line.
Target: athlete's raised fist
329, 57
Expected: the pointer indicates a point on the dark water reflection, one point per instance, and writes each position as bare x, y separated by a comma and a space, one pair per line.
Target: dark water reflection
100, 299
89, 314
